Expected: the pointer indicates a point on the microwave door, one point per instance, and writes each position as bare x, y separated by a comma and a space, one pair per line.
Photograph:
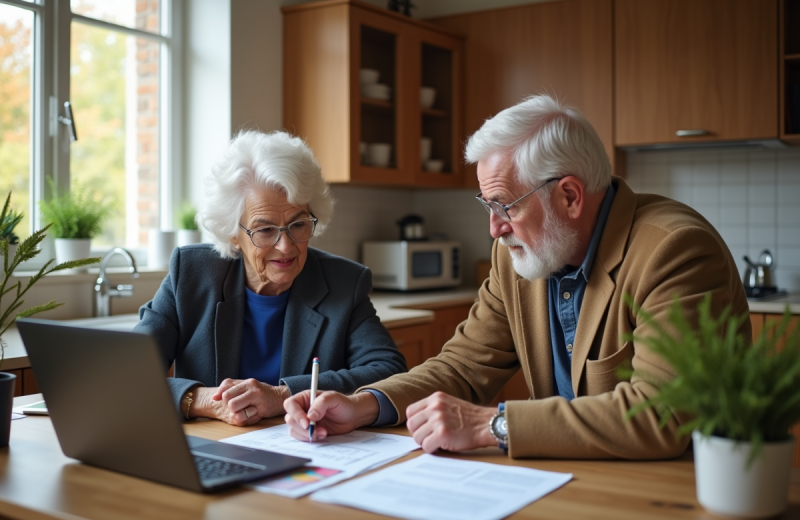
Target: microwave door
427, 268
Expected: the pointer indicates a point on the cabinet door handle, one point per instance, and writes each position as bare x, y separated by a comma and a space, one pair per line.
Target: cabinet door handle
691, 133
399, 343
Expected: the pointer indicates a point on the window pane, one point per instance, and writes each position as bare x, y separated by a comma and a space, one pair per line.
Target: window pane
15, 110
114, 92
139, 14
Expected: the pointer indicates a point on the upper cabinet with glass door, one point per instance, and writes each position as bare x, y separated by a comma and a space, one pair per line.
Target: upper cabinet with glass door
375, 94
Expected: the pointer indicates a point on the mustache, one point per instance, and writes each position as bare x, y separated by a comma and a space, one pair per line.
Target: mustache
511, 241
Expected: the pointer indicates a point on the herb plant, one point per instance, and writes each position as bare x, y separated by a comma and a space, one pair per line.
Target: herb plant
7, 224
186, 217
27, 249
733, 388
76, 214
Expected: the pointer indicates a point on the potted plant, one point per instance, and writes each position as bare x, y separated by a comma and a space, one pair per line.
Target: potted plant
26, 250
7, 226
188, 232
742, 397
75, 218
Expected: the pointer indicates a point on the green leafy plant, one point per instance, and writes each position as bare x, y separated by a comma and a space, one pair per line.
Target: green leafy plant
76, 214
733, 388
186, 217
27, 249
7, 225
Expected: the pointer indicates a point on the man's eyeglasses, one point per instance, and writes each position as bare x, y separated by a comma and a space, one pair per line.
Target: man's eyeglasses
301, 230
501, 210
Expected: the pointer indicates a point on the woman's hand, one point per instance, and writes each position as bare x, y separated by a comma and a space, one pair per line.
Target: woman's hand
241, 402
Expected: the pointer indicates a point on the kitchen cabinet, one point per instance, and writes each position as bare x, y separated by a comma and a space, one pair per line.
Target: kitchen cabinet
414, 342
789, 64
695, 71
562, 48
326, 44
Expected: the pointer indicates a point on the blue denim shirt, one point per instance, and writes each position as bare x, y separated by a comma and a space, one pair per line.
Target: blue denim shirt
565, 291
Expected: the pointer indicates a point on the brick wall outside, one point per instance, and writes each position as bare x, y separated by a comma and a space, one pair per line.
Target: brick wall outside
147, 126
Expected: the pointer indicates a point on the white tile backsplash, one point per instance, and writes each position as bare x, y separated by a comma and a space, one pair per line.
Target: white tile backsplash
363, 214
752, 197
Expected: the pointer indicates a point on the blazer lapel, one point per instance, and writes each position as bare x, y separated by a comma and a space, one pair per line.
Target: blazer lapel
601, 286
534, 348
228, 324
303, 324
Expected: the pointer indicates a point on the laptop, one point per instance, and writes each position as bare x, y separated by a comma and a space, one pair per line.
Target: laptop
111, 407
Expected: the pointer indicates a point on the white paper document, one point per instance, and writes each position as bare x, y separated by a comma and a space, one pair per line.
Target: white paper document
334, 459
436, 488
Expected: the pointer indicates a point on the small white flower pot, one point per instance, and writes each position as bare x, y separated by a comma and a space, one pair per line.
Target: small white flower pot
159, 248
727, 487
187, 237
73, 249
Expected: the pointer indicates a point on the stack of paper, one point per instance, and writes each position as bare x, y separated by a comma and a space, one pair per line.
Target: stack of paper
334, 459
437, 488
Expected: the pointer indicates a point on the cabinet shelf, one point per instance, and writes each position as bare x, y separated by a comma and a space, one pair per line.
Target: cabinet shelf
377, 103
329, 43
435, 112
792, 57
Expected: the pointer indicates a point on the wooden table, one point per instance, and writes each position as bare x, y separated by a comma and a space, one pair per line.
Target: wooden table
37, 481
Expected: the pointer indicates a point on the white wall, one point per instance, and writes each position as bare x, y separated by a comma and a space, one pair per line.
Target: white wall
751, 197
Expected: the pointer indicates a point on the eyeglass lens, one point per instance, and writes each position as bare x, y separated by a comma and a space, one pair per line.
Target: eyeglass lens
299, 231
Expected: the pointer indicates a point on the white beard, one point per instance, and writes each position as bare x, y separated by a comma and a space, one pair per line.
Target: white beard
549, 255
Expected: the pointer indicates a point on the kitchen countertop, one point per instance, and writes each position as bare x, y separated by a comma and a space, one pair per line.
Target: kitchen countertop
777, 305
395, 310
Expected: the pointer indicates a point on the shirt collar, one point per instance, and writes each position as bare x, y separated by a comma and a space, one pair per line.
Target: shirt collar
585, 269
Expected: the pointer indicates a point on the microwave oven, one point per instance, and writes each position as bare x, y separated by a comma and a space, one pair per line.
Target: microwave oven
411, 265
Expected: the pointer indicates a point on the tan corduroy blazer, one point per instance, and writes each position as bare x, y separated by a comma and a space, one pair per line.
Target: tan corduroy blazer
652, 248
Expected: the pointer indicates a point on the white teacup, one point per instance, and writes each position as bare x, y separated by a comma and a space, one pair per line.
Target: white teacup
377, 91
368, 76
427, 95
378, 154
434, 165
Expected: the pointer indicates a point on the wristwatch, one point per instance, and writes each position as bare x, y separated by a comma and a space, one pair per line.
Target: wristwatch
498, 427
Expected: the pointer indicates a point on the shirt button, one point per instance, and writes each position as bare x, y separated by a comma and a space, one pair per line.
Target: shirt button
569, 347
567, 295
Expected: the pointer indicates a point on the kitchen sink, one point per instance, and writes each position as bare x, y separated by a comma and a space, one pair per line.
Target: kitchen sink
118, 322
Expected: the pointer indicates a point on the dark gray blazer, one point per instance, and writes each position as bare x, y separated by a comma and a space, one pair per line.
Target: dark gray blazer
196, 318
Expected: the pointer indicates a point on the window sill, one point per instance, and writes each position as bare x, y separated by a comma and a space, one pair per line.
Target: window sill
62, 277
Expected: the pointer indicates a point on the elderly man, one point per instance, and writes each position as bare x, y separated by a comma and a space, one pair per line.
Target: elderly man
571, 242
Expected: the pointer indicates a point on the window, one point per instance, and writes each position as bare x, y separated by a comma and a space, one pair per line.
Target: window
112, 61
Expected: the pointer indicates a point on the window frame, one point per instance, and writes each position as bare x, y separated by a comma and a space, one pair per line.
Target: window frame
50, 150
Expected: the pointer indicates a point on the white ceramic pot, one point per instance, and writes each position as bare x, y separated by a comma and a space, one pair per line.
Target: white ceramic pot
726, 486
73, 249
187, 237
159, 248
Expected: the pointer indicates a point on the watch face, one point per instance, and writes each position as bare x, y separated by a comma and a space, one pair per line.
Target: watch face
500, 426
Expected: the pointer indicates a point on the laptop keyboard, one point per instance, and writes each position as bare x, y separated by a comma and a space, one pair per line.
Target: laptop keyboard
210, 469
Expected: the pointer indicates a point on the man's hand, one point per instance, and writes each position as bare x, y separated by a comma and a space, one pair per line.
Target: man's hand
242, 402
444, 422
333, 412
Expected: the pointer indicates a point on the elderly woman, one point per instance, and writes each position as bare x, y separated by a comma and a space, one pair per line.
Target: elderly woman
242, 319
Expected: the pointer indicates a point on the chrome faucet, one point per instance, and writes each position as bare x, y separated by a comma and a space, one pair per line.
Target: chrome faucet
102, 288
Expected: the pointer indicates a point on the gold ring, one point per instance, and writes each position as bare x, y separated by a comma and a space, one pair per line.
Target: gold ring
246, 413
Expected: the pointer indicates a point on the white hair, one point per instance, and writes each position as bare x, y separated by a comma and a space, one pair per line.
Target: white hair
544, 139
256, 160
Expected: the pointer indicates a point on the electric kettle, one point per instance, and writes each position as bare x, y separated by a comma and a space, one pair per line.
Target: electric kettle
758, 277
411, 228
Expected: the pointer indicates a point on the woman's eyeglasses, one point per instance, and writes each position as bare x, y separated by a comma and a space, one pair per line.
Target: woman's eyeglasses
301, 230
